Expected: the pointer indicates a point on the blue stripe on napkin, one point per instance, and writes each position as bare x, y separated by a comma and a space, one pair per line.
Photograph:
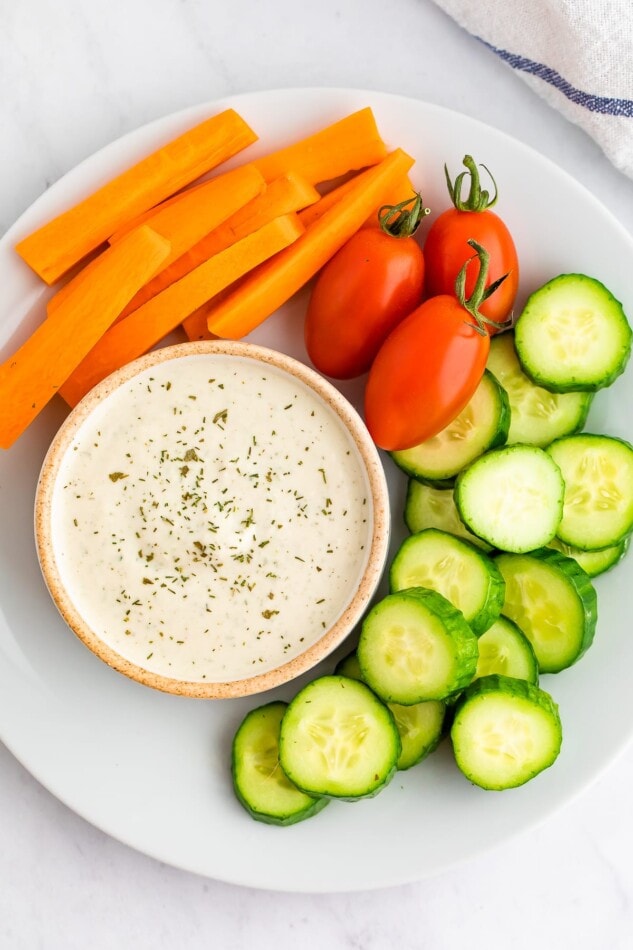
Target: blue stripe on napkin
602, 104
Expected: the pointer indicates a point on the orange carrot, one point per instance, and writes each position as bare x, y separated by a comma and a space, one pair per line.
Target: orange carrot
285, 194
32, 375
187, 217
55, 247
349, 144
144, 217
301, 194
273, 283
401, 190
196, 326
185, 221
139, 332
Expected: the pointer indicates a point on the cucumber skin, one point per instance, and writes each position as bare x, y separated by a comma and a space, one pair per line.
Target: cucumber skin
573, 386
590, 436
491, 609
495, 683
467, 650
611, 556
500, 438
380, 783
585, 591
431, 482
292, 819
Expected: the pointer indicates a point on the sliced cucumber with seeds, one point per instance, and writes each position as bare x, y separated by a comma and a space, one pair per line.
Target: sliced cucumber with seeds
258, 779
338, 740
593, 562
573, 335
482, 425
598, 474
420, 726
504, 649
428, 507
537, 416
467, 577
512, 497
505, 732
415, 646
554, 603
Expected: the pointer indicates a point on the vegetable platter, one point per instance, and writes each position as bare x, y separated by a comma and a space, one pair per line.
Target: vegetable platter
153, 770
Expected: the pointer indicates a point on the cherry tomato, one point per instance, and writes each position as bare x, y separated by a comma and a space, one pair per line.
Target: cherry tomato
362, 293
427, 370
446, 248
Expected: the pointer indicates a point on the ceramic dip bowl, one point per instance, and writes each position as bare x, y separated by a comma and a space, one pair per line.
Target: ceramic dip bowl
213, 519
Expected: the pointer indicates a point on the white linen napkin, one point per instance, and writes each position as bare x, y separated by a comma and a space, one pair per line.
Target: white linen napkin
577, 54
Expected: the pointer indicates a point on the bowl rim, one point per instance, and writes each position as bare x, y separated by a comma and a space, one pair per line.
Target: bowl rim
355, 607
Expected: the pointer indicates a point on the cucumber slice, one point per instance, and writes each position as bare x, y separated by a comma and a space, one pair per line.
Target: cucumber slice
420, 729
349, 666
428, 507
258, 779
598, 474
573, 335
505, 649
338, 740
482, 425
593, 562
537, 416
415, 646
468, 578
512, 497
420, 726
505, 732
554, 603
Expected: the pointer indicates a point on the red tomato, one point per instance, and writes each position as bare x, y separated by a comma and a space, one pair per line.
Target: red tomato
446, 248
361, 294
424, 374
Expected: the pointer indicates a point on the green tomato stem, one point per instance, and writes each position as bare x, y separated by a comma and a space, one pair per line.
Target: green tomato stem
480, 291
477, 199
399, 220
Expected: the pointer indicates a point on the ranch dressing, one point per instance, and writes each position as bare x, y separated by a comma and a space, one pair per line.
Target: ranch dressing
211, 518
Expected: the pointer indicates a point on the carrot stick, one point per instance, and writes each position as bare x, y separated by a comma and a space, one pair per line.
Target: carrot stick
185, 221
285, 194
144, 217
55, 247
273, 283
139, 332
349, 144
401, 190
196, 326
300, 194
34, 373
187, 217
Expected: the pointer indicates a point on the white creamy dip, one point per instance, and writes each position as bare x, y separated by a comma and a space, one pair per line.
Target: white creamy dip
211, 518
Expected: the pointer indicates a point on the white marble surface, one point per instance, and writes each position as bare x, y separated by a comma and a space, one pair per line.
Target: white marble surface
76, 74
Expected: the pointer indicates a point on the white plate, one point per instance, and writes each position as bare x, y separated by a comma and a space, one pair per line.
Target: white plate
153, 770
